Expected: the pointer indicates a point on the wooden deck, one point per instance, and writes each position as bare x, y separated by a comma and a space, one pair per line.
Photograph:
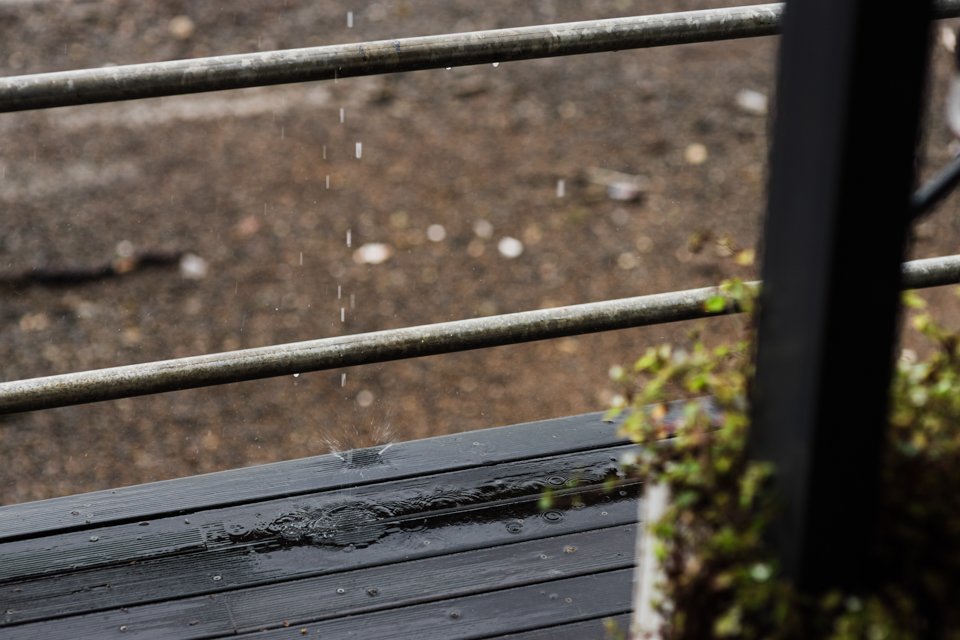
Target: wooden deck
438, 538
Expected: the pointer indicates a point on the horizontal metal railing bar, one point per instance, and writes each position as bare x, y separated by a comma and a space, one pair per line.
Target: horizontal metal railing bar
393, 344
131, 82
175, 77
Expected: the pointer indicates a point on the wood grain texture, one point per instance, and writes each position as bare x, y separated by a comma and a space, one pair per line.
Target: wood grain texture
297, 477
518, 530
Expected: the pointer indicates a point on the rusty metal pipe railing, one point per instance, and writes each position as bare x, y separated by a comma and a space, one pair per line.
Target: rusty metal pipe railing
130, 82
150, 80
394, 344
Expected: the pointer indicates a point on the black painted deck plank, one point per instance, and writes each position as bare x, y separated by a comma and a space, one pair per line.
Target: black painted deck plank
294, 477
300, 602
192, 575
472, 617
450, 534
207, 529
587, 630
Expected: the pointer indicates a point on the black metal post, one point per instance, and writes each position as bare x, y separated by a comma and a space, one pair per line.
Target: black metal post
842, 169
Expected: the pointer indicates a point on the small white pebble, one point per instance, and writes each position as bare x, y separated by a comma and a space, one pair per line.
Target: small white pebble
364, 398
372, 253
752, 101
695, 153
483, 229
193, 267
181, 27
509, 247
623, 191
125, 249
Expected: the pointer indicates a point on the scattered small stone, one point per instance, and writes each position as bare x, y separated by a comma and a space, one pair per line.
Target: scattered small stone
193, 267
181, 27
364, 398
483, 229
622, 187
509, 247
623, 191
627, 261
372, 253
695, 153
752, 101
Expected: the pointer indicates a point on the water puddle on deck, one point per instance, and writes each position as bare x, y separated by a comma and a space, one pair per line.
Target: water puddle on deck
357, 523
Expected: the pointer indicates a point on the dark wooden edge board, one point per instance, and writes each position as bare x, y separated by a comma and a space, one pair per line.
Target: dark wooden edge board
532, 607
296, 477
454, 578
594, 629
445, 537
367, 511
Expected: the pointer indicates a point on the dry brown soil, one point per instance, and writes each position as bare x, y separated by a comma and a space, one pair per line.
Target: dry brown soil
239, 180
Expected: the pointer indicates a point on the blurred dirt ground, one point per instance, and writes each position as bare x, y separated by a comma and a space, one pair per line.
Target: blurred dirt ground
261, 188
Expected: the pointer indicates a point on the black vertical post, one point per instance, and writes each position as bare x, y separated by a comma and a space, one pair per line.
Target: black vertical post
842, 168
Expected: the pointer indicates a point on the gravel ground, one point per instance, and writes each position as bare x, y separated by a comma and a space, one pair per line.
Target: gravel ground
262, 188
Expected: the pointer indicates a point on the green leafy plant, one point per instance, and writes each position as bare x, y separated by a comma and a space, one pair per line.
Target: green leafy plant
720, 575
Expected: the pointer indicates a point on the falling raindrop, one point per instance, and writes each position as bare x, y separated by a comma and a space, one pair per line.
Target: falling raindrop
328, 182
339, 292
341, 115
359, 150
349, 237
343, 379
343, 316
561, 188
350, 19
353, 301
301, 258
324, 152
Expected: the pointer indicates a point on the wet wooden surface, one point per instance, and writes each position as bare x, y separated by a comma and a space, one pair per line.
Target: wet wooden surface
449, 537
